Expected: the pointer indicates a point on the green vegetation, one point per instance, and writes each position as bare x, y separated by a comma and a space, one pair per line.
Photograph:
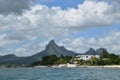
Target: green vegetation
48, 60
112, 59
14, 65
104, 54
53, 59
63, 59
108, 59
105, 59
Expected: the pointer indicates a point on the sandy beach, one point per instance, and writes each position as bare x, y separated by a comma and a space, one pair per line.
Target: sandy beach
106, 66
82, 66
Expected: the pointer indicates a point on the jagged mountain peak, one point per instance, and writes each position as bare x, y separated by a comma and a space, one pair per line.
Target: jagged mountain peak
91, 51
52, 42
51, 45
100, 50
53, 49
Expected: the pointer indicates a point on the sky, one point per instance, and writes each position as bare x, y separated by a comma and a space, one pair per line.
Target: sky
27, 26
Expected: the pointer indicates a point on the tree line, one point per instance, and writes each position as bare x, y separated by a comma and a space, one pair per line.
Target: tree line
105, 59
52, 60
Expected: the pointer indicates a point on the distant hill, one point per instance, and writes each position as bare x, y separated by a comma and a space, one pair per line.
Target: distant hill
51, 49
13, 59
91, 51
101, 50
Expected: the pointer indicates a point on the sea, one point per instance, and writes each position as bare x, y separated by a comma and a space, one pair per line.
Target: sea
60, 74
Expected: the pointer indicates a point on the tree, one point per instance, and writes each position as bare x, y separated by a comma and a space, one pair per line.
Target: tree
48, 60
109, 59
113, 59
104, 54
113, 56
94, 60
63, 59
35, 63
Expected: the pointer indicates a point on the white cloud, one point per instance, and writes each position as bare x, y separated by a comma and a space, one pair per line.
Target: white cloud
30, 48
80, 45
44, 22
111, 42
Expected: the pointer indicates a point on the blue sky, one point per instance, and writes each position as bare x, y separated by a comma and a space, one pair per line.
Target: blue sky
89, 32
64, 4
97, 32
76, 24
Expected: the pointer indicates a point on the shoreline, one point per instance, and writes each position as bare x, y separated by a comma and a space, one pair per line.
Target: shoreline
66, 66
82, 66
105, 66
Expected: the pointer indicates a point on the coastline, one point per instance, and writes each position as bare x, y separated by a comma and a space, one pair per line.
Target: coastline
76, 66
105, 66
68, 65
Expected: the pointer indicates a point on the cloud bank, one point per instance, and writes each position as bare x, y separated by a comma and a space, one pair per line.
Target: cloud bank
50, 22
80, 45
40, 21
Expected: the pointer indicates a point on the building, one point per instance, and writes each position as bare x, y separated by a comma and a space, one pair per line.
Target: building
86, 57
89, 54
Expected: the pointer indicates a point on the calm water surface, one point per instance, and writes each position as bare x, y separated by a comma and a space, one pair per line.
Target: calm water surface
60, 74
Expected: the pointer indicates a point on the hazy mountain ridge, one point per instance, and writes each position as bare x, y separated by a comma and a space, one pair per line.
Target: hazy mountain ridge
51, 49
91, 51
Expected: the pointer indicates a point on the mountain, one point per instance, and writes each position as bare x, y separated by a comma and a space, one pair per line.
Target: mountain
91, 51
53, 49
13, 59
101, 50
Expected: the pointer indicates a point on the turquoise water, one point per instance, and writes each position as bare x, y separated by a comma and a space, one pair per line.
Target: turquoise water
60, 74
